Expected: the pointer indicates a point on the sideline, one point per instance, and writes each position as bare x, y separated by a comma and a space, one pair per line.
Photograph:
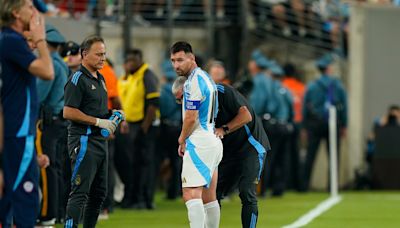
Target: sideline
317, 211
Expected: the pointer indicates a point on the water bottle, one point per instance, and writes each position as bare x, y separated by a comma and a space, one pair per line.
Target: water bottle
116, 117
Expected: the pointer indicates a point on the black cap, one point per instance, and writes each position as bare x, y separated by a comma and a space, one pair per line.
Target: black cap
70, 48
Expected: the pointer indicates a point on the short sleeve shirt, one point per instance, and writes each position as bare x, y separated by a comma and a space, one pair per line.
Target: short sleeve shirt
18, 95
89, 95
251, 136
200, 94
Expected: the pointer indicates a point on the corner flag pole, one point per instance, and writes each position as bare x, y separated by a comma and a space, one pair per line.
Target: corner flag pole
333, 163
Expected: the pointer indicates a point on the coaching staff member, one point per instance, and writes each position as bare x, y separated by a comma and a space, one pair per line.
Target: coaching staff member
86, 107
245, 146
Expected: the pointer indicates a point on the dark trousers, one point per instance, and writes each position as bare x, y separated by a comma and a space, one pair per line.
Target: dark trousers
20, 201
109, 201
244, 174
168, 137
276, 168
89, 179
53, 145
315, 134
136, 164
293, 159
65, 177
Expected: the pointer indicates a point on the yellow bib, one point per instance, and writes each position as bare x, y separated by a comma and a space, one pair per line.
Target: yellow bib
132, 91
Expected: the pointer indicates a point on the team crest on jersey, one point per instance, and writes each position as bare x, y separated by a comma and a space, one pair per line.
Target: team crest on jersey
77, 180
104, 85
28, 186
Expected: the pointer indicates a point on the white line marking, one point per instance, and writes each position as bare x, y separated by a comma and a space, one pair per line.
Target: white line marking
317, 211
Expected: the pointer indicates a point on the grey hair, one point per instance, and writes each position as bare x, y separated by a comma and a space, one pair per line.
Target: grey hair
178, 84
6, 11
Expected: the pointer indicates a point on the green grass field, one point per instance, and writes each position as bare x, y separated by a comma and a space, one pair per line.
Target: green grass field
357, 209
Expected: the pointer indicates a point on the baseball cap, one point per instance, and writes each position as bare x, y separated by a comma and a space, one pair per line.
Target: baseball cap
70, 48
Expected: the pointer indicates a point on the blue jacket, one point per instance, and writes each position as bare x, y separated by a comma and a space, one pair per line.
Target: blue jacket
281, 105
51, 93
261, 93
169, 109
319, 93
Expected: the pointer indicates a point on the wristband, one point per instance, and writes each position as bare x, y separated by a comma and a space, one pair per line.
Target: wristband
97, 122
38, 41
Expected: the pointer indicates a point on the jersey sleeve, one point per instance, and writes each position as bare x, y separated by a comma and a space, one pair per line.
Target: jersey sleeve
73, 91
151, 85
18, 52
193, 95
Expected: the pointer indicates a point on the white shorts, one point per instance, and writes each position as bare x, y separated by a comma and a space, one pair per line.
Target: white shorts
201, 159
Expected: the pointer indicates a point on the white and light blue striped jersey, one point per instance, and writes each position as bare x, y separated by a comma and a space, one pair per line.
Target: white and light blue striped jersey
200, 93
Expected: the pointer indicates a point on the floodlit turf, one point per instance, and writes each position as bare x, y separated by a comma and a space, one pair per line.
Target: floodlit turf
363, 209
357, 209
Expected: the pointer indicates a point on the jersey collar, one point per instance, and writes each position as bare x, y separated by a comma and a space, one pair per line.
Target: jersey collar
88, 74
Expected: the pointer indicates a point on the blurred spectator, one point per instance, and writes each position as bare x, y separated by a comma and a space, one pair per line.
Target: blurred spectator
171, 121
392, 117
363, 174
217, 72
46, 7
320, 95
137, 17
52, 131
73, 8
161, 8
335, 15
72, 56
297, 88
261, 82
284, 11
139, 93
277, 123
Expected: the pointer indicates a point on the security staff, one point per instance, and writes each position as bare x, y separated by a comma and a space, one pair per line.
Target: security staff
137, 164
320, 94
86, 108
278, 125
19, 69
53, 129
260, 94
171, 122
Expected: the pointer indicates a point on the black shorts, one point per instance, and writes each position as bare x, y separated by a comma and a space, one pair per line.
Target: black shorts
239, 170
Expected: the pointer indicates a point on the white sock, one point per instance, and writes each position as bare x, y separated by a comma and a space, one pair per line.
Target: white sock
196, 213
213, 214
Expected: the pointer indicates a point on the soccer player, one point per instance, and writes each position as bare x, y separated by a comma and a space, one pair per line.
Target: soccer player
200, 148
245, 145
